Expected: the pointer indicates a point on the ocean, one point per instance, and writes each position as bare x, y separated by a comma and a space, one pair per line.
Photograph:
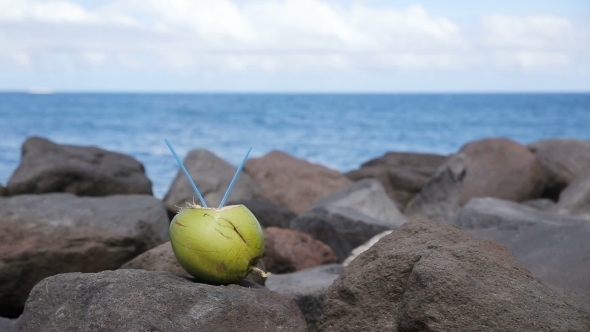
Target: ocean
340, 131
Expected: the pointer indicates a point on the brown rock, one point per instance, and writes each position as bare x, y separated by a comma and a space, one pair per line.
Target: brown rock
429, 276
401, 174
161, 258
293, 183
289, 251
81, 170
562, 160
501, 168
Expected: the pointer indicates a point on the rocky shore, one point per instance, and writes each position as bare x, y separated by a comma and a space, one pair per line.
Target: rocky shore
495, 237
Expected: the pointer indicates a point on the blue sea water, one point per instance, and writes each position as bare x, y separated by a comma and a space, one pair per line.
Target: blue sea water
340, 131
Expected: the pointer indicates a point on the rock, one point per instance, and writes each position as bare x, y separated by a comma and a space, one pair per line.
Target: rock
363, 247
440, 198
3, 191
287, 250
574, 200
161, 258
138, 300
495, 167
562, 161
368, 197
307, 288
343, 229
82, 170
540, 203
432, 276
553, 247
43, 235
293, 183
212, 175
501, 168
401, 174
268, 214
7, 324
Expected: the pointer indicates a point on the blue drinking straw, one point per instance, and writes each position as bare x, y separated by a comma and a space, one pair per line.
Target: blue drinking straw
188, 176
233, 181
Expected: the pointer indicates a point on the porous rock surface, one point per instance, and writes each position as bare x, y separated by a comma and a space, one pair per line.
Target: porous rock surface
293, 183
139, 300
268, 214
46, 234
212, 175
287, 250
82, 170
432, 276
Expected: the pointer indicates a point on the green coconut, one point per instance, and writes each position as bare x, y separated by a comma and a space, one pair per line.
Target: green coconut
217, 245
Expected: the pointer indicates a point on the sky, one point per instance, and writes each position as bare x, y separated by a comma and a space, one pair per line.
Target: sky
294, 46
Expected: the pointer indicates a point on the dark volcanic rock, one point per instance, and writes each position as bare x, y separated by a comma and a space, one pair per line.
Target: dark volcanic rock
7, 324
43, 235
212, 175
287, 250
343, 229
401, 174
431, 276
307, 288
562, 160
293, 183
161, 258
368, 197
555, 248
3, 191
138, 300
268, 214
82, 170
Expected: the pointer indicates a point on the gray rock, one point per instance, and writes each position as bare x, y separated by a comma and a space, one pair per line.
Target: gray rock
433, 276
268, 214
574, 200
368, 197
555, 248
362, 248
562, 161
3, 191
540, 203
343, 229
7, 324
307, 288
402, 174
82, 170
138, 300
212, 175
440, 198
43, 235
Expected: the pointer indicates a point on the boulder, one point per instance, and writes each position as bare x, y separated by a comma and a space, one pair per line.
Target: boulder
562, 161
268, 214
3, 191
440, 198
432, 276
574, 200
48, 167
540, 203
212, 175
287, 250
341, 228
555, 248
368, 197
363, 247
43, 235
139, 300
307, 288
401, 174
293, 183
494, 167
161, 258
7, 324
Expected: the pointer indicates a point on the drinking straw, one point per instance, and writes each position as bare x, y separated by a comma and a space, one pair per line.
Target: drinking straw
233, 181
188, 176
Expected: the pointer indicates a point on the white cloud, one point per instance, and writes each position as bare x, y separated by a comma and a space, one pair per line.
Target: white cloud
220, 36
